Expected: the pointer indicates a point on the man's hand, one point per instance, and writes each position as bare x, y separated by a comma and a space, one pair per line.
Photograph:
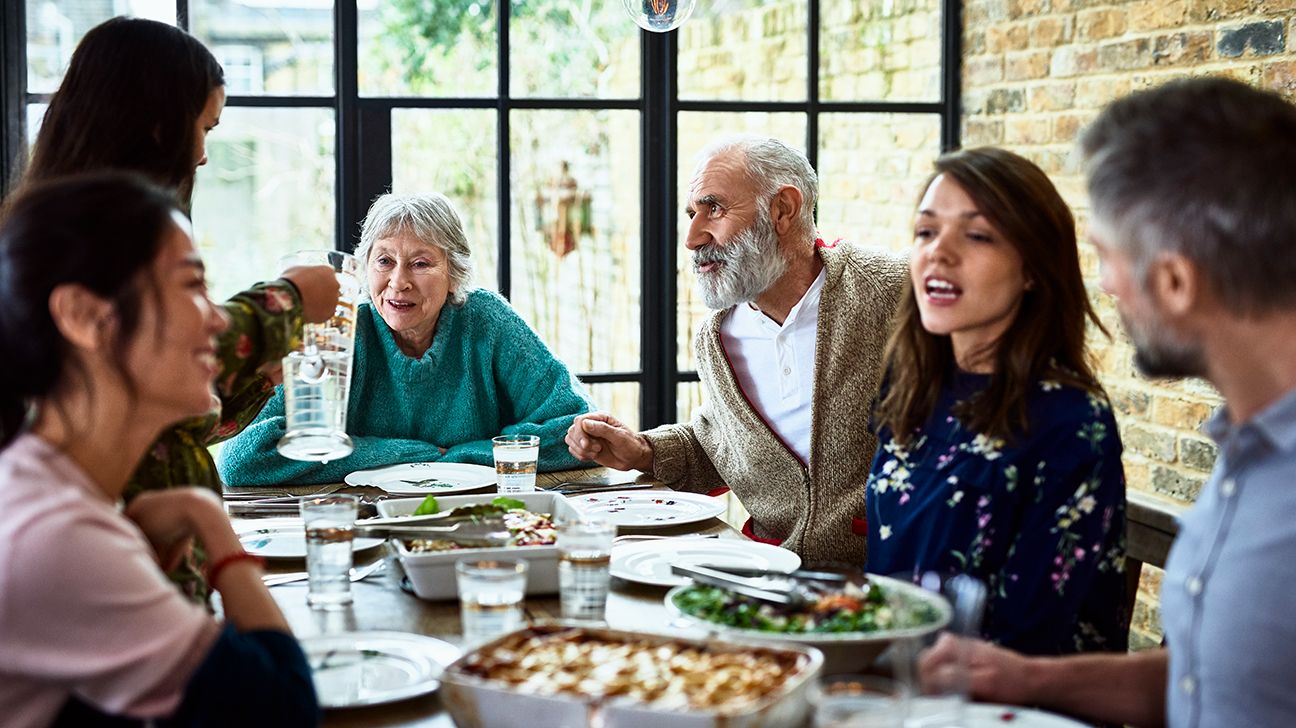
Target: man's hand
602, 438
318, 287
994, 674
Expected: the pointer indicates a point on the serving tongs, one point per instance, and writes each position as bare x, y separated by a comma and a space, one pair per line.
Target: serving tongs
481, 532
792, 596
826, 577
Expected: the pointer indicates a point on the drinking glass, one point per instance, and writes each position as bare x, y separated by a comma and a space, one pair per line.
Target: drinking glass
490, 597
330, 531
515, 462
859, 701
317, 377
585, 552
945, 693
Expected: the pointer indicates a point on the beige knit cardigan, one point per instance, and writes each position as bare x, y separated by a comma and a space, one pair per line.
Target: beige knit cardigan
816, 510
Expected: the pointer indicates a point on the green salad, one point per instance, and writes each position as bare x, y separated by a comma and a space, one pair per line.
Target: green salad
852, 609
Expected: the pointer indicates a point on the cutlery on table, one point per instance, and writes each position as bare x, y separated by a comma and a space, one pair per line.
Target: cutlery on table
740, 585
577, 489
356, 574
646, 537
802, 574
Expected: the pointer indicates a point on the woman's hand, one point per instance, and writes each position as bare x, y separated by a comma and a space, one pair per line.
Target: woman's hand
602, 438
318, 287
166, 518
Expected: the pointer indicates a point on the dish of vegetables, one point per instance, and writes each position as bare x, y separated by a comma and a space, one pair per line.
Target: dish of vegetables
527, 528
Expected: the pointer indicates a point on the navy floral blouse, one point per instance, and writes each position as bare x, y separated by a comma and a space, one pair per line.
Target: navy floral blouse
1040, 520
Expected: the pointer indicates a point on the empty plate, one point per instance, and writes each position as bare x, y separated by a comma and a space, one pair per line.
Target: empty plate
354, 669
649, 562
284, 539
649, 509
426, 478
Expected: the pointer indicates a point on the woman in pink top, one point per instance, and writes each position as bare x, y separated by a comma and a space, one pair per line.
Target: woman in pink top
108, 337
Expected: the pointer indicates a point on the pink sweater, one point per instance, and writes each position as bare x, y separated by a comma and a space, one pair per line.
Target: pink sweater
84, 608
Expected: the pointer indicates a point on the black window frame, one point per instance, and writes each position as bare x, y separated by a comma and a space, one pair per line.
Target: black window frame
363, 157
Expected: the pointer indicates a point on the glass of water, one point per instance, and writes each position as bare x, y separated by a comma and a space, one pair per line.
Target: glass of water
330, 533
585, 552
490, 597
859, 701
317, 377
515, 462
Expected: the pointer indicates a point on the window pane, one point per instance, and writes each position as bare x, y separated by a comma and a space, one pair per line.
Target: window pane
272, 47
749, 50
688, 397
565, 49
620, 398
267, 190
575, 233
880, 50
35, 115
54, 29
871, 168
422, 48
454, 153
696, 130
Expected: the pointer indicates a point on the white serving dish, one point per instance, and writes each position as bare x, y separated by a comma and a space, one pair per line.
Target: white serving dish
432, 574
476, 702
843, 651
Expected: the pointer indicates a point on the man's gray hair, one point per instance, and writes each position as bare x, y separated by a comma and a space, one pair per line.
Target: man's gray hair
431, 218
1204, 168
770, 164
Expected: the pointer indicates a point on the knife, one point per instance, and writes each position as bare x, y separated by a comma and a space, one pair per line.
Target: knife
576, 489
802, 574
737, 585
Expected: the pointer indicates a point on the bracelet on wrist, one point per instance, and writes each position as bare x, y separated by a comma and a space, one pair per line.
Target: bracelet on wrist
214, 571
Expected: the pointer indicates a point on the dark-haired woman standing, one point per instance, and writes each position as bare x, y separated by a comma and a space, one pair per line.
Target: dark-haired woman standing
108, 337
141, 95
998, 453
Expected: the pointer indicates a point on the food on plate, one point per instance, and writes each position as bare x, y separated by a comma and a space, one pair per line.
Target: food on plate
662, 675
854, 608
526, 528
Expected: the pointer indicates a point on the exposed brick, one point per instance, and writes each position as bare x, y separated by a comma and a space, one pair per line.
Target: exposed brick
1096, 93
1027, 8
1026, 130
1005, 101
979, 133
1100, 24
1073, 61
1026, 66
1206, 11
983, 70
1175, 483
1197, 453
1050, 32
1051, 96
1155, 444
1156, 15
1140, 640
1263, 39
1180, 413
1018, 37
1138, 474
1281, 77
1125, 55
1182, 48
1130, 401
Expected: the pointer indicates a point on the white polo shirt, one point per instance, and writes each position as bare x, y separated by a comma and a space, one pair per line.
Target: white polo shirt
775, 364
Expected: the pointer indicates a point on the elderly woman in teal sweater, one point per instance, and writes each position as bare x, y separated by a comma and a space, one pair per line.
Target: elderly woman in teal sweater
440, 367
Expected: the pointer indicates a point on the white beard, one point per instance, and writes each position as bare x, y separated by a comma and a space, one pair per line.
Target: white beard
750, 262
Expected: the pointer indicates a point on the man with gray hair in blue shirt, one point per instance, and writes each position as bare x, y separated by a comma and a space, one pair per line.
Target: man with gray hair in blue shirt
1193, 189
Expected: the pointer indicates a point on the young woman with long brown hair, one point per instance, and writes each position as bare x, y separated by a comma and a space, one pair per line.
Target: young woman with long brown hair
998, 453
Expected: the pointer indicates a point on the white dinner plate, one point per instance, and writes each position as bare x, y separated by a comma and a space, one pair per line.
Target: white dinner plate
990, 715
649, 562
425, 478
650, 508
354, 669
284, 538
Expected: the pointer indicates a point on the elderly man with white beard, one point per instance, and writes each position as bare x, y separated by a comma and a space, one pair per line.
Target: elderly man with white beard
789, 361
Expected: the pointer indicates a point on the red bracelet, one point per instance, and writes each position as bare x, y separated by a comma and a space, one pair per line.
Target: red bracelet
214, 571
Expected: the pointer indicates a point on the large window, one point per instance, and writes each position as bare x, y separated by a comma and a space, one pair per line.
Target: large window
563, 134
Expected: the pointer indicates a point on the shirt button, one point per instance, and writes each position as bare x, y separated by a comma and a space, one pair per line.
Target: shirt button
1188, 685
1194, 586
1228, 487
787, 371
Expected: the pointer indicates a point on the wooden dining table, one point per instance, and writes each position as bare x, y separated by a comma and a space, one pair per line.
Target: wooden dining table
381, 604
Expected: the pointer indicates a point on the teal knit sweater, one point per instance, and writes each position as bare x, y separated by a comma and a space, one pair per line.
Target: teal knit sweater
487, 373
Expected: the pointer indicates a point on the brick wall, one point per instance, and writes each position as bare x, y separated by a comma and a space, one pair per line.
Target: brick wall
1036, 71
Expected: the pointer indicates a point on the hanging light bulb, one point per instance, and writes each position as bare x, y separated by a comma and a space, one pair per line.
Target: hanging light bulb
659, 16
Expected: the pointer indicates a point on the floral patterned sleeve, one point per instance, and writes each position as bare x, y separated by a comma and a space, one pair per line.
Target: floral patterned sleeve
1061, 588
265, 324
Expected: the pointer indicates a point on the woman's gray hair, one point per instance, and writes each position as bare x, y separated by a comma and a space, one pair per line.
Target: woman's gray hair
431, 218
770, 164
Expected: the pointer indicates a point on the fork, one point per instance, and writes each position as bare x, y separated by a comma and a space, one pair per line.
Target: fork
356, 574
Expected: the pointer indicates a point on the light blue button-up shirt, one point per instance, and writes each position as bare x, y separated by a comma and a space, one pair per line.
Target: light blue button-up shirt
1229, 595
